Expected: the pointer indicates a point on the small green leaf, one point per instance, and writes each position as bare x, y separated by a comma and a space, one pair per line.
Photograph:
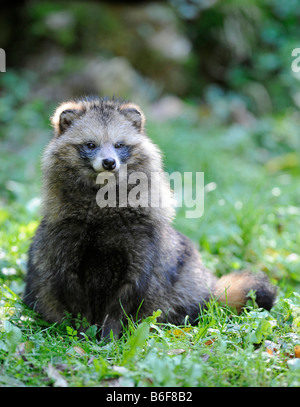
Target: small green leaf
71, 332
136, 341
91, 331
264, 329
13, 336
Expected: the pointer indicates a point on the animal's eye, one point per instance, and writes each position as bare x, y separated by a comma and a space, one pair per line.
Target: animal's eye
91, 146
119, 145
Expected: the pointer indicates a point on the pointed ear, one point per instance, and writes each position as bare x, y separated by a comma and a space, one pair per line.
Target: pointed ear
134, 114
64, 116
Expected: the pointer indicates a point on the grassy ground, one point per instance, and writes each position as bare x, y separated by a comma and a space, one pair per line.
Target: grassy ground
251, 220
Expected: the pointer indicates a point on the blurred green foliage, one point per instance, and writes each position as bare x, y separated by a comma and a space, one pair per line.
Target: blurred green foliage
245, 47
241, 47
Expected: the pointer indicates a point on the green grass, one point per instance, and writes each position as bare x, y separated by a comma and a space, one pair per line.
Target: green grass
253, 349
251, 220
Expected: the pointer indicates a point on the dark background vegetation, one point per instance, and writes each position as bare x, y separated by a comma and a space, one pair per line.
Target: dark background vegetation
215, 80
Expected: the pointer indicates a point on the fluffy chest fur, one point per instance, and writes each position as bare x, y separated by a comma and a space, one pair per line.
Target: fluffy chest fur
90, 264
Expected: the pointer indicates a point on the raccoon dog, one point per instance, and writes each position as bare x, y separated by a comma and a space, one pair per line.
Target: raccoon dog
99, 261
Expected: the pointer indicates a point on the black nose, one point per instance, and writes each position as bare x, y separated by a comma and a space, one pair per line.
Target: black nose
109, 163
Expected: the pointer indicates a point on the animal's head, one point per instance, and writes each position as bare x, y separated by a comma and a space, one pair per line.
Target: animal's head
95, 138
96, 135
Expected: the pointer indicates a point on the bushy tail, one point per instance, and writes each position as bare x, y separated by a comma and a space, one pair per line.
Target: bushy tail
232, 290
